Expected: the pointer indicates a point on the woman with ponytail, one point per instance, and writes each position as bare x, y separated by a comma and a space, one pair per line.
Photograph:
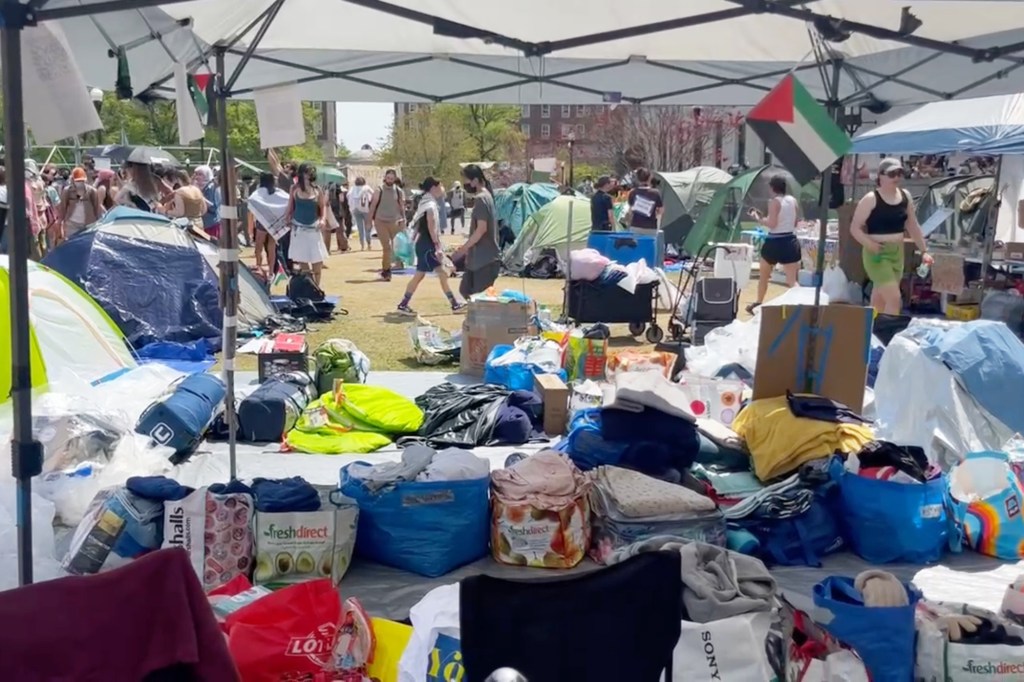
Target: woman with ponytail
483, 256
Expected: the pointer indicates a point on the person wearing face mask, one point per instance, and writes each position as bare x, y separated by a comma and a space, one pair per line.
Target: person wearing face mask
429, 252
483, 257
79, 206
879, 223
306, 213
387, 215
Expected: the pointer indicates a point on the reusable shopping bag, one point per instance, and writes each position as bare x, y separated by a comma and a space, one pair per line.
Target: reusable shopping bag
286, 635
392, 638
809, 653
890, 522
429, 527
882, 636
433, 652
728, 649
985, 496
585, 358
940, 660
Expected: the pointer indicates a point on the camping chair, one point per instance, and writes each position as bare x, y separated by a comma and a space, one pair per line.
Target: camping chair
618, 623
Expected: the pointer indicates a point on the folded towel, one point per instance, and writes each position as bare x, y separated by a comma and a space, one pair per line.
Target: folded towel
636, 390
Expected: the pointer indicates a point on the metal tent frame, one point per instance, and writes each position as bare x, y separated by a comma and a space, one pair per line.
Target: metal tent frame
15, 15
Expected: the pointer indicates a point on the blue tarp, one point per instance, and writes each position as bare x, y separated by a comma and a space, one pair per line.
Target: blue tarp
988, 361
154, 290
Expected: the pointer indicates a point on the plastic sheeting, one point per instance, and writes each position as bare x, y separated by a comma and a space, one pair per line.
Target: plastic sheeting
153, 290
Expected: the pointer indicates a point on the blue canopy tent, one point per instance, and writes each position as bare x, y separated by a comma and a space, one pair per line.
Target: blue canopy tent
520, 201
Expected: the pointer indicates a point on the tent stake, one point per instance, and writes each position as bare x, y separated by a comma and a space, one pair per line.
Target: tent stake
228, 261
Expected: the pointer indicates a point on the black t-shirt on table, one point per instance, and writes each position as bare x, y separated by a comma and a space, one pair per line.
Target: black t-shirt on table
599, 207
645, 202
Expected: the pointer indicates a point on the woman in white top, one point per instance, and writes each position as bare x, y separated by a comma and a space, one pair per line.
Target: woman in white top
781, 247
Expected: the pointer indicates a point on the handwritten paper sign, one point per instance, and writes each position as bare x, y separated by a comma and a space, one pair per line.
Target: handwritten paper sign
279, 114
948, 273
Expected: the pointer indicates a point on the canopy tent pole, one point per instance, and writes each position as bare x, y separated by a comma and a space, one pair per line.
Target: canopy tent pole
228, 260
568, 261
991, 223
26, 452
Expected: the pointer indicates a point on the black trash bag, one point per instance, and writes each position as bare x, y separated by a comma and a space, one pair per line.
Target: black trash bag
460, 416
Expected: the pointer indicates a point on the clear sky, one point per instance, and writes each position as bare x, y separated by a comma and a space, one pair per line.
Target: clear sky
362, 123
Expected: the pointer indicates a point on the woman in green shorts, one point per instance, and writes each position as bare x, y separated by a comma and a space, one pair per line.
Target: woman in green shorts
879, 223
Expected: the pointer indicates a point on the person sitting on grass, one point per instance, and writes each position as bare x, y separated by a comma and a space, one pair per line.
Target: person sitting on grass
429, 253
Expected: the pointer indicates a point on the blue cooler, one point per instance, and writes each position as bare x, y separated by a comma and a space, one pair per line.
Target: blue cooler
625, 247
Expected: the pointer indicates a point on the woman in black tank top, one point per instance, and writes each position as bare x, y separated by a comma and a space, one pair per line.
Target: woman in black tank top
879, 223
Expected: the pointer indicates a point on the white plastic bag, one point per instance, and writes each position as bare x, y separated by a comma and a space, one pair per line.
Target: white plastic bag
435, 625
728, 649
841, 666
835, 285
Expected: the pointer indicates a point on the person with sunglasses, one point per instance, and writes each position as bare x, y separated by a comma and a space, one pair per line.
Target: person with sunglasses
879, 223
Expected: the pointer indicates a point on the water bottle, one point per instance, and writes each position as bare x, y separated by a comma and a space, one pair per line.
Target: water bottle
923, 269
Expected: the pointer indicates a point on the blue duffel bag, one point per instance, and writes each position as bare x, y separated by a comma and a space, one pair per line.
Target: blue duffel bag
428, 528
179, 419
889, 522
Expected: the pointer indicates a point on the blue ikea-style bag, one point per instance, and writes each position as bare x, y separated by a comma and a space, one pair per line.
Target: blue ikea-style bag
428, 528
889, 522
884, 637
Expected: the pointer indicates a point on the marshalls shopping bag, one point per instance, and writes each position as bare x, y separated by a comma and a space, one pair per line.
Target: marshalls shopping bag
728, 649
985, 496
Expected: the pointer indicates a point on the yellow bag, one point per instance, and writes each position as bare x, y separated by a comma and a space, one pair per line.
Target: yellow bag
392, 639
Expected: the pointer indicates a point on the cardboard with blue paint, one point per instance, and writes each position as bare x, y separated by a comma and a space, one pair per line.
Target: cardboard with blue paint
841, 344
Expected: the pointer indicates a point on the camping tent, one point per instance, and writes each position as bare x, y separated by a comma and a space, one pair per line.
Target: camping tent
948, 193
71, 336
517, 203
726, 215
687, 194
154, 279
547, 229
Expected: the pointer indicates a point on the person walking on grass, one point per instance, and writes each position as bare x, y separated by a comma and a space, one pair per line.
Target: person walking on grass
483, 257
429, 253
781, 247
306, 212
387, 215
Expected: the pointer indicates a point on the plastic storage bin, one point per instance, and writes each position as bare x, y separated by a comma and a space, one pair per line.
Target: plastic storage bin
625, 247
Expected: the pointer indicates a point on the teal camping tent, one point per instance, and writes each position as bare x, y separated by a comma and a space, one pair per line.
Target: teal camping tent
516, 204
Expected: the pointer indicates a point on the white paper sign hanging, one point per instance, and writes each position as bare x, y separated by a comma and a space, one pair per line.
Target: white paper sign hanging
56, 99
279, 114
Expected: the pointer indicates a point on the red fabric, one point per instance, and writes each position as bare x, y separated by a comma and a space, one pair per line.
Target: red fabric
122, 625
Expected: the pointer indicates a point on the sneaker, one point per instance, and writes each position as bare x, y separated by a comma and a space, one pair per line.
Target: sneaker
458, 306
385, 275
406, 310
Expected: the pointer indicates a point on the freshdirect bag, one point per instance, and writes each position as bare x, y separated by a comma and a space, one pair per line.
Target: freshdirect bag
287, 635
215, 530
293, 547
728, 649
985, 504
940, 660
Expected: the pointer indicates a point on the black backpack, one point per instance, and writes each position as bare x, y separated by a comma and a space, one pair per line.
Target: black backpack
302, 287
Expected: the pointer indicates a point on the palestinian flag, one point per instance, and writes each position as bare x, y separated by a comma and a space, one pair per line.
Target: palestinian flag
198, 84
798, 131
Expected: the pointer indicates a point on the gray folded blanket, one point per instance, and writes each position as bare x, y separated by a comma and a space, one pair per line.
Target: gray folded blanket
717, 583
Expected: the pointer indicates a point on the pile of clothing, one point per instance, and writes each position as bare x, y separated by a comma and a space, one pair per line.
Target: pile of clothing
540, 512
421, 463
629, 506
589, 265
783, 433
885, 461
468, 416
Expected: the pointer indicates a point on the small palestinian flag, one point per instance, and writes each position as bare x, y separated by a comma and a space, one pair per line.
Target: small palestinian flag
198, 84
798, 131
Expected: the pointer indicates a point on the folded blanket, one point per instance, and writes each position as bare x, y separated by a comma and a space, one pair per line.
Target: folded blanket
638, 496
717, 583
547, 480
636, 390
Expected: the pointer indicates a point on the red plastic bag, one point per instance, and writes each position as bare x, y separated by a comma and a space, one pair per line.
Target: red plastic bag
286, 636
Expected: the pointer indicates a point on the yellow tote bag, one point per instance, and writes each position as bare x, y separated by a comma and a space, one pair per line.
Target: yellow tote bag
392, 639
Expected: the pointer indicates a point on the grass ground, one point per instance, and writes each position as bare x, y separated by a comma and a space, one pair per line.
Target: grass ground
372, 325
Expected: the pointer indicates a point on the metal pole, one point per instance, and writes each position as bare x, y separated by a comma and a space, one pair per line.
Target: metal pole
228, 260
26, 453
572, 165
991, 224
568, 261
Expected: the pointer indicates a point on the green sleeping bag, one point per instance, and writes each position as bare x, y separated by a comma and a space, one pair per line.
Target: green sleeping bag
376, 409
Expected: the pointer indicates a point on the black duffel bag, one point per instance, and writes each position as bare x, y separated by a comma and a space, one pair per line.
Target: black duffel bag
271, 410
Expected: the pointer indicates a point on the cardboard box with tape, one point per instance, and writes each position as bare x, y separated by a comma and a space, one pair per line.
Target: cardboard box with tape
491, 323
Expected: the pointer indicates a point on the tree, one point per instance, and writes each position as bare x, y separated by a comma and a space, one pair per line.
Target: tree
663, 138
494, 131
430, 141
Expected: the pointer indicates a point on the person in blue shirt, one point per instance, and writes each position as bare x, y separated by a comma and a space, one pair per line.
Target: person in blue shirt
602, 208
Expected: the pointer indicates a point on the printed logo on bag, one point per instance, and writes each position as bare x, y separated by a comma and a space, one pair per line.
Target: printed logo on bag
989, 668
181, 528
445, 664
709, 655
439, 497
316, 646
297, 532
931, 511
1012, 506
162, 434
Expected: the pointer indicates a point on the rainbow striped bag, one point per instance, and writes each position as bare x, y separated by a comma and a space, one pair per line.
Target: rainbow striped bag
984, 497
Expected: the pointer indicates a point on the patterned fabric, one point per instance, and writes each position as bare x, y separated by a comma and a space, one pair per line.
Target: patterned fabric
635, 495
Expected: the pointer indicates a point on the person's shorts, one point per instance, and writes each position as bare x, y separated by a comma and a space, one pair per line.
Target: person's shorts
426, 259
886, 266
781, 250
479, 280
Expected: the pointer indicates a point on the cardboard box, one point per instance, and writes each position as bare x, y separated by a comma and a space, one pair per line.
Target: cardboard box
555, 396
491, 323
1014, 251
842, 347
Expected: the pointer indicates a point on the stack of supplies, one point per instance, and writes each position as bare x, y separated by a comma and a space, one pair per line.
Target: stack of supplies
630, 507
541, 512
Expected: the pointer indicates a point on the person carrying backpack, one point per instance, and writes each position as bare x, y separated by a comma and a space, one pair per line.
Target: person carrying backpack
387, 215
359, 199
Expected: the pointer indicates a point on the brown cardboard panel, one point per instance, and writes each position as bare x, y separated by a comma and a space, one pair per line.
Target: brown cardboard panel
850, 250
842, 346
948, 273
555, 396
489, 324
1014, 250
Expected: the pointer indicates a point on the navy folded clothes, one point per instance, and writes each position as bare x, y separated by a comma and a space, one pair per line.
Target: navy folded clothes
285, 495
159, 488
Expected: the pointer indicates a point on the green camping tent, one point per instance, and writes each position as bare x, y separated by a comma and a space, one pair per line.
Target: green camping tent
686, 195
728, 213
518, 202
549, 228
